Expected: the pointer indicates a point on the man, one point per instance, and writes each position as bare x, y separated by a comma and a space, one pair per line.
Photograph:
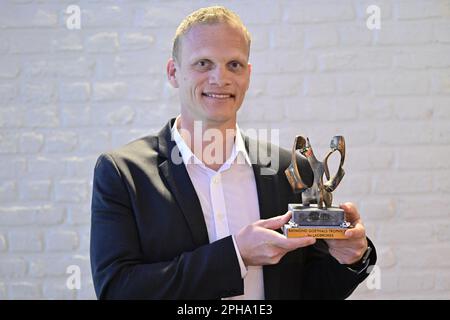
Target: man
172, 221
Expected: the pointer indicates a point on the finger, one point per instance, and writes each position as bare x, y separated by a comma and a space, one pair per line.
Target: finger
349, 249
344, 256
275, 222
358, 231
345, 243
354, 234
332, 243
353, 242
292, 243
351, 212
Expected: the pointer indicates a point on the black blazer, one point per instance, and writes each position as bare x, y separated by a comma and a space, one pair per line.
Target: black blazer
149, 238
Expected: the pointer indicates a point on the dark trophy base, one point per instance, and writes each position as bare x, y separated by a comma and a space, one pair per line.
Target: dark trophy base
310, 221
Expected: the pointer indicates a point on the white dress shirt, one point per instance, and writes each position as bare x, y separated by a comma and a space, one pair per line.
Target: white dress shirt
229, 201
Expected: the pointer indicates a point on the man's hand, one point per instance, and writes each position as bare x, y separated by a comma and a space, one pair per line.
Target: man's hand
350, 250
260, 245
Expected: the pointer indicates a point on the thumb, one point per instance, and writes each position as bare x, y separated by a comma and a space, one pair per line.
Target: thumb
275, 222
351, 212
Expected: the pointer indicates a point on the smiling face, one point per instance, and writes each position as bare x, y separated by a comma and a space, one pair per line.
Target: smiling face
212, 74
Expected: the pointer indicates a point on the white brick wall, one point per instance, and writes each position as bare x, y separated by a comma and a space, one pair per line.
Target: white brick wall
68, 95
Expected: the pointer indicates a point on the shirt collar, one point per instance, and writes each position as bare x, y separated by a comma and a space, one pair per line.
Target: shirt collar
240, 146
185, 151
239, 151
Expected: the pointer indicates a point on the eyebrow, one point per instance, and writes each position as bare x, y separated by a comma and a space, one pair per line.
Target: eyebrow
241, 59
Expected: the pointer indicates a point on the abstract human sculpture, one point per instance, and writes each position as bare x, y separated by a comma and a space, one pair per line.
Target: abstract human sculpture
316, 216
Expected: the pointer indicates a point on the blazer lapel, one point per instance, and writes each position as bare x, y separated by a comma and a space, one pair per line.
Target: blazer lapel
179, 183
265, 177
266, 186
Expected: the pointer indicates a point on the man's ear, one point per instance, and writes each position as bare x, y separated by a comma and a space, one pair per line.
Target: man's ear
172, 73
249, 74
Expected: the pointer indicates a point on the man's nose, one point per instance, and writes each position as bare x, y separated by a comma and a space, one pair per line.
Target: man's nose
219, 76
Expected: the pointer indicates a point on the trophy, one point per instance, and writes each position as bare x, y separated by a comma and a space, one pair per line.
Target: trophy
315, 216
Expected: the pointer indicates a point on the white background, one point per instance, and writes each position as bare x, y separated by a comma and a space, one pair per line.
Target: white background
68, 95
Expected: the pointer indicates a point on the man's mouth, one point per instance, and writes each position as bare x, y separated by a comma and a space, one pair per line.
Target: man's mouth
217, 95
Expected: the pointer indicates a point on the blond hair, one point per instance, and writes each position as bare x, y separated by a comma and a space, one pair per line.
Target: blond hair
208, 15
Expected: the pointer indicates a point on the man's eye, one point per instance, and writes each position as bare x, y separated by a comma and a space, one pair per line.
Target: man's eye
235, 65
203, 63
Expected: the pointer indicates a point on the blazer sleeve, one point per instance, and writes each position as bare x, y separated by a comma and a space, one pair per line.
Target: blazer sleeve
326, 278
119, 269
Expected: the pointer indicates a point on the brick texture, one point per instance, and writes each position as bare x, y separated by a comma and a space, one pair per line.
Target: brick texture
68, 95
